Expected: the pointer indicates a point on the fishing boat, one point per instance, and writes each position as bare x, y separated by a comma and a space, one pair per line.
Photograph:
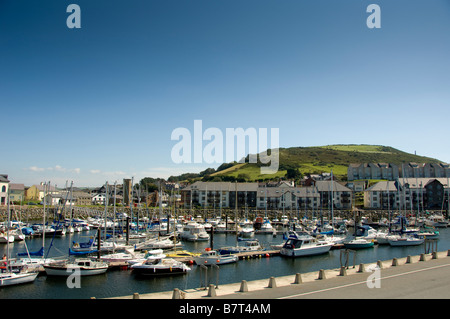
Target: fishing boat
212, 257
157, 264
84, 266
304, 246
194, 231
247, 245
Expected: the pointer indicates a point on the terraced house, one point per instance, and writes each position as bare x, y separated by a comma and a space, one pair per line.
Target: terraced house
409, 194
266, 196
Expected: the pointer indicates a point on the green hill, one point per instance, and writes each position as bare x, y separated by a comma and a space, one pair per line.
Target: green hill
318, 159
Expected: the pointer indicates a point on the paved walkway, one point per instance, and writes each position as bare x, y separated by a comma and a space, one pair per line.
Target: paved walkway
409, 278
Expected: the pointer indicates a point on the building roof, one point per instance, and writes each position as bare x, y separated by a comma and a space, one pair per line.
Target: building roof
422, 181
18, 187
4, 178
383, 186
325, 186
222, 186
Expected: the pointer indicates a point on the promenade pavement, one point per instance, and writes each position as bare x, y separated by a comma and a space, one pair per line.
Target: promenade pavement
423, 276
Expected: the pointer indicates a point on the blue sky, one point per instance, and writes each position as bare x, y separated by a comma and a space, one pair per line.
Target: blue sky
100, 103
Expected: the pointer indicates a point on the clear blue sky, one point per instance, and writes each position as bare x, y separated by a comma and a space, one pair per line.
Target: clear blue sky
100, 103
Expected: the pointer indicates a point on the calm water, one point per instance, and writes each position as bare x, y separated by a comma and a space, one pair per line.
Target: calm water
116, 283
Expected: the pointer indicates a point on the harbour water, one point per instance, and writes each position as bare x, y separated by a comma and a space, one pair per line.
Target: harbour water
117, 282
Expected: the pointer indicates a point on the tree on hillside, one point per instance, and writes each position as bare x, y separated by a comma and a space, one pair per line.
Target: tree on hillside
293, 173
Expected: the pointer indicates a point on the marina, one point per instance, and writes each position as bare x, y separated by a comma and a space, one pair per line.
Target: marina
263, 262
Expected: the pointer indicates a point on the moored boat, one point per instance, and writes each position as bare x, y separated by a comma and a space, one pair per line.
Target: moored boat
359, 243
84, 266
212, 257
158, 264
297, 247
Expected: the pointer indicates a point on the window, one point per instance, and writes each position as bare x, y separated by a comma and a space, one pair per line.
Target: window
3, 188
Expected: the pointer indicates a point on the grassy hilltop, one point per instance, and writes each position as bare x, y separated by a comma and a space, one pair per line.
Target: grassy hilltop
318, 159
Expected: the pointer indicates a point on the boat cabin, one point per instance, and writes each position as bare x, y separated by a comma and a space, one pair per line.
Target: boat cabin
294, 243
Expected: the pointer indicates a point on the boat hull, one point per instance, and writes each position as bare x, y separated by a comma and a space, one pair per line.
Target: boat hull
400, 243
221, 260
358, 245
155, 271
310, 251
67, 271
16, 279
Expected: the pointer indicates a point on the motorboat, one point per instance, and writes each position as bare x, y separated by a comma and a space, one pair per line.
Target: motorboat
158, 243
266, 227
121, 256
436, 220
212, 257
297, 247
247, 246
194, 231
6, 238
84, 267
157, 264
220, 227
382, 238
247, 231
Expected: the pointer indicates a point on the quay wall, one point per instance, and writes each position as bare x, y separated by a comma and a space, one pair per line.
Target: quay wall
30, 213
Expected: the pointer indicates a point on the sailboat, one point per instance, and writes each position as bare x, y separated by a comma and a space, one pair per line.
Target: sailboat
9, 278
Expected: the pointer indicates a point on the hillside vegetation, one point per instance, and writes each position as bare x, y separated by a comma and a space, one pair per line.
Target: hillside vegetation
318, 159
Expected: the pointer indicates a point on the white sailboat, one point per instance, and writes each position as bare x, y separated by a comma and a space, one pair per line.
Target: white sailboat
8, 278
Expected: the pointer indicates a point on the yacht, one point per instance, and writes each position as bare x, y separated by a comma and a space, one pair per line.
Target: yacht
85, 266
436, 221
156, 264
359, 243
212, 257
305, 246
407, 240
194, 232
266, 227
247, 231
247, 245
10, 278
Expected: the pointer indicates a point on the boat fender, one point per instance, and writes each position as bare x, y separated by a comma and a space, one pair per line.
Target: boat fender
217, 260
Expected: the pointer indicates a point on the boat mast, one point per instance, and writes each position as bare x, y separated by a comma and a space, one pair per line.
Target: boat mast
8, 253
332, 201
43, 222
106, 209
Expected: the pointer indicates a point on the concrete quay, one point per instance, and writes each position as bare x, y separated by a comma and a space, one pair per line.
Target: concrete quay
422, 276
